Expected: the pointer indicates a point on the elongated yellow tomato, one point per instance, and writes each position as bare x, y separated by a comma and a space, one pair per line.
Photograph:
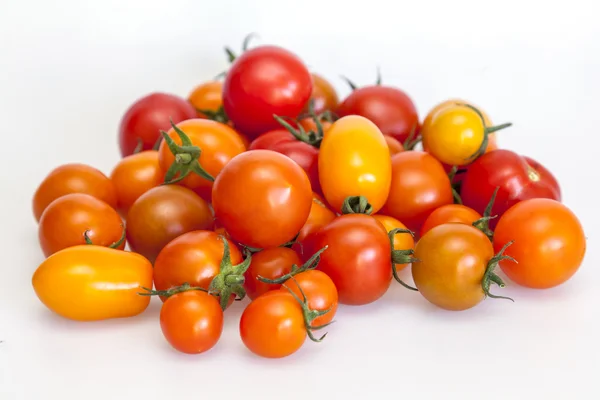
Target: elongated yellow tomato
354, 160
91, 283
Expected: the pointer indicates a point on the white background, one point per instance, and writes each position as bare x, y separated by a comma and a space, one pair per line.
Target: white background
69, 69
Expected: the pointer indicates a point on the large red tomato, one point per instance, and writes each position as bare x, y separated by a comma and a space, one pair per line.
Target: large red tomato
263, 81
144, 120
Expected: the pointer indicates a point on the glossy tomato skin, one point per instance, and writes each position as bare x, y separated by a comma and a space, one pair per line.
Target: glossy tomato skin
453, 260
162, 214
207, 96
66, 220
450, 213
270, 263
324, 95
134, 175
549, 243
92, 283
192, 321
219, 144
264, 81
402, 241
419, 186
394, 145
272, 325
320, 291
319, 216
358, 257
516, 180
354, 160
148, 116
73, 178
392, 110
545, 176
270, 139
262, 198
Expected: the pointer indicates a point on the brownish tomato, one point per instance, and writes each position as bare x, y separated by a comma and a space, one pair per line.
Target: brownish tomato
323, 96
207, 97
68, 219
270, 263
402, 241
163, 213
73, 178
450, 213
394, 145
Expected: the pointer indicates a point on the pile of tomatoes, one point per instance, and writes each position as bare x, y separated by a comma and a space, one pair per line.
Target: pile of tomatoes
264, 185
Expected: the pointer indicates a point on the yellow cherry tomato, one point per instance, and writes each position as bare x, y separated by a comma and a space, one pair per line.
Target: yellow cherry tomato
354, 160
91, 283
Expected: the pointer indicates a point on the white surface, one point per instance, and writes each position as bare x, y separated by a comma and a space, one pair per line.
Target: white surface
69, 69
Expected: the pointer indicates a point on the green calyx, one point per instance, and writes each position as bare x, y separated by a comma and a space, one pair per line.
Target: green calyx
230, 279
490, 277
232, 56
483, 224
186, 158
311, 263
172, 291
413, 139
401, 256
113, 245
219, 115
487, 130
313, 138
309, 314
353, 86
356, 205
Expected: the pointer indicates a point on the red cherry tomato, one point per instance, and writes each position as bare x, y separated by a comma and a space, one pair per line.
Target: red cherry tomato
264, 81
545, 175
320, 291
144, 120
271, 264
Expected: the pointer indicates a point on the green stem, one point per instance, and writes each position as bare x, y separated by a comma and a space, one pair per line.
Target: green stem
483, 224
170, 292
113, 245
356, 205
486, 132
401, 256
311, 263
490, 277
312, 138
349, 82
139, 147
230, 279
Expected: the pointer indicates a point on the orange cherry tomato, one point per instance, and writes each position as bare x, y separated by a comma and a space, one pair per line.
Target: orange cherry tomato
271, 264
73, 178
402, 241
192, 321
309, 124
323, 95
549, 243
163, 213
450, 213
207, 96
134, 175
319, 216
91, 283
394, 145
218, 144
320, 291
67, 219
354, 160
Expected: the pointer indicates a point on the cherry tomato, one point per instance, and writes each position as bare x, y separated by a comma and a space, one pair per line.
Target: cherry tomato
73, 178
516, 180
419, 186
218, 144
389, 108
318, 217
450, 213
323, 95
545, 175
270, 139
163, 213
192, 321
144, 120
354, 160
320, 291
271, 264
358, 257
394, 145
402, 241
453, 260
549, 243
67, 219
262, 198
207, 96
310, 125
263, 81
134, 175
91, 283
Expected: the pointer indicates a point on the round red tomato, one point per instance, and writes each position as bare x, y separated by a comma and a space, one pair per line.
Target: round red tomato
270, 264
389, 108
262, 198
264, 81
144, 120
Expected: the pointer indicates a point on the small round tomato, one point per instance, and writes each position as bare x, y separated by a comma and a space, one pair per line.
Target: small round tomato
92, 283
73, 178
251, 97
549, 243
271, 264
320, 292
163, 213
323, 95
144, 120
318, 217
392, 110
419, 186
262, 198
354, 160
358, 257
402, 241
218, 144
450, 213
394, 145
134, 175
207, 97
452, 271
191, 321
68, 219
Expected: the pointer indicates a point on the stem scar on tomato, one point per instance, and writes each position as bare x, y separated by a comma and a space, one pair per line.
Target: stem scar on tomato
186, 158
490, 277
310, 264
487, 130
401, 256
230, 279
113, 245
357, 205
483, 224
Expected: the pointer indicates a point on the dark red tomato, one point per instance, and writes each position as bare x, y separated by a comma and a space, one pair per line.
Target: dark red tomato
389, 108
148, 116
358, 259
263, 81
517, 180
